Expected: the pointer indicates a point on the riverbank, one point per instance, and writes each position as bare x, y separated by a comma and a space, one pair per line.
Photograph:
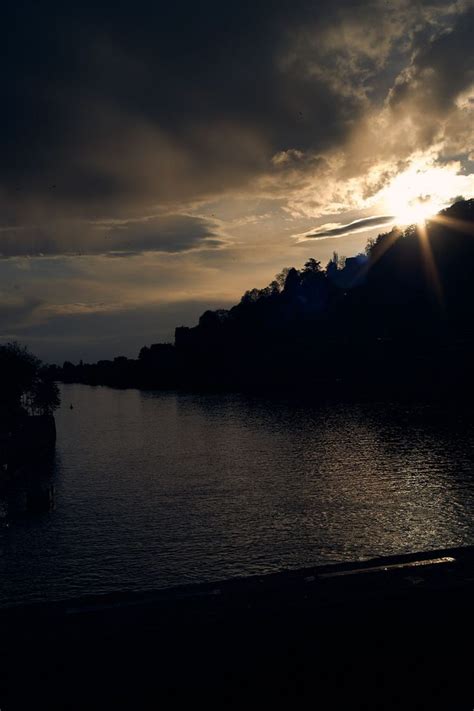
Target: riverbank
385, 633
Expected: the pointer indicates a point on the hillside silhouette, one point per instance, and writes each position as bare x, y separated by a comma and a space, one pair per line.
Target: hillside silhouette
395, 321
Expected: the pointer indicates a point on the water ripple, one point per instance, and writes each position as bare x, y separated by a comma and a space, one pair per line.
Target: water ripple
153, 489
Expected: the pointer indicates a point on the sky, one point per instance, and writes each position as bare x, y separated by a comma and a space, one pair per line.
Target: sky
160, 159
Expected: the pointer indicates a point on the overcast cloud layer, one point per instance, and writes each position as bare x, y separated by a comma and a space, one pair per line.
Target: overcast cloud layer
206, 135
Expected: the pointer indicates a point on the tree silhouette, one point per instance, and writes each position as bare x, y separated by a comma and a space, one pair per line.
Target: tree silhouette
25, 383
397, 320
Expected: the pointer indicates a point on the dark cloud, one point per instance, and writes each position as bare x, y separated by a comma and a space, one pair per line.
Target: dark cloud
170, 234
440, 70
355, 226
427, 89
110, 109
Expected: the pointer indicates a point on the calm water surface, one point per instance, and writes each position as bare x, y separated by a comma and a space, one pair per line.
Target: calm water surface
150, 490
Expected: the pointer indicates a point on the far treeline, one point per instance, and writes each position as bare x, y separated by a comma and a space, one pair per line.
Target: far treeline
395, 321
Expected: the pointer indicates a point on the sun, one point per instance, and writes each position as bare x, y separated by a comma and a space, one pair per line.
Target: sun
416, 195
414, 211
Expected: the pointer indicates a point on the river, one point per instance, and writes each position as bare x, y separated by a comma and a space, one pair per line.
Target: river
149, 489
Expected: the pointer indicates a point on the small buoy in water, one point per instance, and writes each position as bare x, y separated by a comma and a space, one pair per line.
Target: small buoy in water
71, 407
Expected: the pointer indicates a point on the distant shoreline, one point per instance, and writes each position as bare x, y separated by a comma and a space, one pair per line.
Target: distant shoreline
320, 396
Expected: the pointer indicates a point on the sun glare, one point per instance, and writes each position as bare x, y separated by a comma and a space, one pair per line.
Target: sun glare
415, 195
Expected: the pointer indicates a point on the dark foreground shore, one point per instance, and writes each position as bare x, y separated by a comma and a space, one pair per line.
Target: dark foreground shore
388, 633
